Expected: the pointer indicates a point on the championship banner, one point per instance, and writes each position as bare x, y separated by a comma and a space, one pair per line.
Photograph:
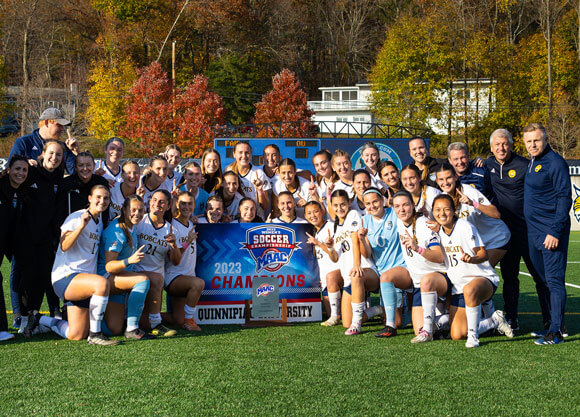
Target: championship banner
230, 256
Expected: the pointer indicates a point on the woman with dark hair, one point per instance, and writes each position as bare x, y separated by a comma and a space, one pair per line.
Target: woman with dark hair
154, 179
74, 191
110, 169
247, 212
390, 176
37, 233
325, 177
423, 194
12, 195
290, 182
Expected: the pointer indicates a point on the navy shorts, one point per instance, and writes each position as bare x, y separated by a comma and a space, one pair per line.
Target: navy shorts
348, 290
60, 287
325, 292
417, 293
457, 300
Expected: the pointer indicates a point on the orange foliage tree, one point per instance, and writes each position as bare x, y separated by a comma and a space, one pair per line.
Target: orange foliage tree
286, 102
197, 110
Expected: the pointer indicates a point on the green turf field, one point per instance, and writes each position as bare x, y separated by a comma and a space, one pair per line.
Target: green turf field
300, 370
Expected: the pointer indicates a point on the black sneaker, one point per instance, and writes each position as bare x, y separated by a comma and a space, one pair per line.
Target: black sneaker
138, 334
564, 331
514, 324
101, 340
33, 320
388, 331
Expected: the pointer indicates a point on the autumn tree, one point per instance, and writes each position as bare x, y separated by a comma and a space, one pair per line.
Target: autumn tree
110, 81
286, 102
149, 110
197, 110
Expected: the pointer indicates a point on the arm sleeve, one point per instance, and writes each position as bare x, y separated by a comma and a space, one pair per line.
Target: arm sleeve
563, 198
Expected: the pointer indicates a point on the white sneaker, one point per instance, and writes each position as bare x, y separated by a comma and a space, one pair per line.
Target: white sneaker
23, 324
502, 325
5, 336
472, 342
422, 337
332, 321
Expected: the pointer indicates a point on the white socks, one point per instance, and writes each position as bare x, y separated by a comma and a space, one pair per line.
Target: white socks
373, 312
487, 308
487, 324
97, 306
357, 313
155, 320
334, 299
429, 301
189, 311
60, 327
473, 316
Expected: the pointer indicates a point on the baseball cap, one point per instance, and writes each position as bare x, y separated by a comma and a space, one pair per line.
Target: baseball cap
55, 114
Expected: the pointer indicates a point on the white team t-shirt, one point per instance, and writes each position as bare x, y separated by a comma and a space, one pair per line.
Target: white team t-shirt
232, 208
494, 233
156, 247
325, 264
426, 200
188, 257
418, 265
117, 200
300, 192
109, 175
247, 182
149, 193
82, 256
341, 185
343, 246
168, 183
297, 219
460, 273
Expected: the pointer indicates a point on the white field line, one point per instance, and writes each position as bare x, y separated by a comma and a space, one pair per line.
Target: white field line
529, 275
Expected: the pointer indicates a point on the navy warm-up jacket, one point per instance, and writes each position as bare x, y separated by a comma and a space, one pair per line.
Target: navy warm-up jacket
548, 195
31, 146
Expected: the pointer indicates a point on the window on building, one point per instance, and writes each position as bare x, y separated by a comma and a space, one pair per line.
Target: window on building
342, 119
358, 119
349, 95
332, 96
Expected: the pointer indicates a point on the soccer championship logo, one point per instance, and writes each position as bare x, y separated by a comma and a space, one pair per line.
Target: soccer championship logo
576, 205
271, 247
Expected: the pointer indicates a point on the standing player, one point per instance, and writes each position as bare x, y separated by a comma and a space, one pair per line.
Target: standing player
325, 177
372, 159
379, 238
180, 282
423, 194
173, 156
214, 211
547, 201
272, 159
154, 179
74, 274
474, 279
118, 254
126, 188
211, 168
508, 172
192, 176
362, 181
254, 182
391, 178
289, 182
247, 212
326, 257
427, 165
111, 169
156, 233
287, 209
425, 262
342, 165
230, 193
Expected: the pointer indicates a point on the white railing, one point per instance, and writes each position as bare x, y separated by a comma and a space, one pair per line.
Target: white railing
338, 105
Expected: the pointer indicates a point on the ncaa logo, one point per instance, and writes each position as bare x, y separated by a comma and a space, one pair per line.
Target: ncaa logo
386, 153
576, 205
271, 247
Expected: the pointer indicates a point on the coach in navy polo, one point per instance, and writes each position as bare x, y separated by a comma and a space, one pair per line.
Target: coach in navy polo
547, 201
507, 172
468, 173
51, 126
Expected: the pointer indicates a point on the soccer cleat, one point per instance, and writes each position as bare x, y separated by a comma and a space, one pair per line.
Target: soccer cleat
101, 340
138, 334
502, 325
332, 321
5, 336
354, 329
564, 331
387, 331
161, 330
16, 322
33, 320
514, 324
191, 326
550, 339
471, 342
423, 336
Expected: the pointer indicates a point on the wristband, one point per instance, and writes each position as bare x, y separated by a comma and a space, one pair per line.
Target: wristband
475, 204
126, 262
420, 250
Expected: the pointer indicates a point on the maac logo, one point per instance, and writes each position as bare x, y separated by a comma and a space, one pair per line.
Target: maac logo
537, 168
271, 247
264, 289
512, 173
576, 205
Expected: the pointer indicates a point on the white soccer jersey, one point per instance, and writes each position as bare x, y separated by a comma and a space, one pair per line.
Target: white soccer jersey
156, 247
418, 265
82, 256
117, 200
376, 181
341, 185
188, 257
321, 189
426, 199
325, 264
232, 208
149, 193
300, 192
494, 233
343, 246
297, 219
110, 175
354, 205
460, 273
168, 183
247, 182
